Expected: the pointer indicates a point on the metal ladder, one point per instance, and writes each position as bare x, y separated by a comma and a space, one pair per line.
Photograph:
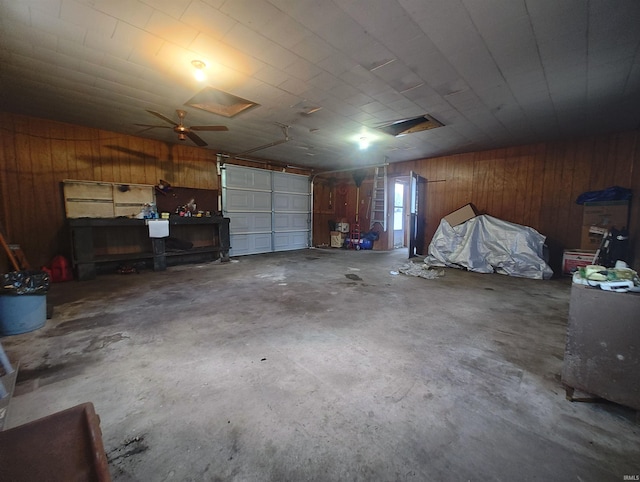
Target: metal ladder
379, 196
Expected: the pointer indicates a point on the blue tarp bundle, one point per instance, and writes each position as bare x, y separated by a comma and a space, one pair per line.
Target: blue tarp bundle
613, 193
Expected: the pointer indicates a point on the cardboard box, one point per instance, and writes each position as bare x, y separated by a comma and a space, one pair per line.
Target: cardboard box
461, 215
574, 259
590, 241
342, 227
607, 214
337, 239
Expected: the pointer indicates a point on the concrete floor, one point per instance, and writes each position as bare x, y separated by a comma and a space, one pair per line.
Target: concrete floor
321, 365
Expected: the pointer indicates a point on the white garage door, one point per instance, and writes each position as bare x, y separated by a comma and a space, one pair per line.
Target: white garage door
269, 211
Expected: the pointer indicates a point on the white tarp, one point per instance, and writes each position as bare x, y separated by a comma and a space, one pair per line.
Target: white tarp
485, 244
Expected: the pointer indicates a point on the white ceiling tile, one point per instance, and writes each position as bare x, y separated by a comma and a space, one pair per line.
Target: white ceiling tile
25, 39
632, 85
285, 31
359, 99
133, 12
363, 118
134, 37
122, 65
173, 8
347, 36
171, 29
219, 55
293, 86
277, 56
302, 69
344, 92
324, 81
271, 75
337, 64
252, 13
238, 38
553, 19
81, 15
102, 44
624, 55
56, 26
207, 19
339, 106
49, 7
78, 52
312, 48
495, 12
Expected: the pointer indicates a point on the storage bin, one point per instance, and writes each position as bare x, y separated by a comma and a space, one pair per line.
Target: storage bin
22, 313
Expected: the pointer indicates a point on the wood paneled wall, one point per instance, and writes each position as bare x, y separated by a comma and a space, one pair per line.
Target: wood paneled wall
37, 154
534, 185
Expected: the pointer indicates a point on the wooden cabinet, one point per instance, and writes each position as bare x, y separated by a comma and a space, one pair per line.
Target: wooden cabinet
602, 354
100, 244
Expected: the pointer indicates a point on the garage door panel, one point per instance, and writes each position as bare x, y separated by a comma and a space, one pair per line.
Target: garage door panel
238, 201
289, 241
290, 202
269, 211
292, 183
250, 223
242, 244
291, 222
246, 178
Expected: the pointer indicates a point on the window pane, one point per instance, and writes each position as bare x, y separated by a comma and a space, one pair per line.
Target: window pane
397, 218
399, 195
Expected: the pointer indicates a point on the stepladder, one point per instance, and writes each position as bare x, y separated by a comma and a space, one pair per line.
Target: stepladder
379, 196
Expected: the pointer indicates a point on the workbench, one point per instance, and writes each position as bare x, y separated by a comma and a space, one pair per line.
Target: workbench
100, 244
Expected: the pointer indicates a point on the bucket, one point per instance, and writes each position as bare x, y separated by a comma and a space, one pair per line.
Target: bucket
22, 313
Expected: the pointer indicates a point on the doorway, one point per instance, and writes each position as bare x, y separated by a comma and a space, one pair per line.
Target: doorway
399, 213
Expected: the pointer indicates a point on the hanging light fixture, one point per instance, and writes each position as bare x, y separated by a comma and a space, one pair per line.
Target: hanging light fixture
199, 73
364, 142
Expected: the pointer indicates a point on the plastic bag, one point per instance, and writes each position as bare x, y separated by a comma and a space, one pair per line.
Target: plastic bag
25, 282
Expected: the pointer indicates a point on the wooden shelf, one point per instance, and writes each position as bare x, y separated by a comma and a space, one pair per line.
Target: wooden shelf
105, 258
202, 249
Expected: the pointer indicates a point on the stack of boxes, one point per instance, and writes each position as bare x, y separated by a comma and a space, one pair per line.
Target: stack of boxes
597, 219
338, 236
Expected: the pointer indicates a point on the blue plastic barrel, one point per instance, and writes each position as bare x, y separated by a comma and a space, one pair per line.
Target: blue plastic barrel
22, 313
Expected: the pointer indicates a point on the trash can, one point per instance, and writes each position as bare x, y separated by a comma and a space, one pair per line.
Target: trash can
23, 302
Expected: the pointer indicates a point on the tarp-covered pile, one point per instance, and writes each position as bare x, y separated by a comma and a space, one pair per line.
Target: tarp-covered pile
485, 244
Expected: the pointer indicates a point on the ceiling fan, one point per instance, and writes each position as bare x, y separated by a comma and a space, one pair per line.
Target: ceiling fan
182, 130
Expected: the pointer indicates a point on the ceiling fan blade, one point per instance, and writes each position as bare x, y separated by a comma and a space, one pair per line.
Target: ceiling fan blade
163, 117
151, 126
209, 128
195, 138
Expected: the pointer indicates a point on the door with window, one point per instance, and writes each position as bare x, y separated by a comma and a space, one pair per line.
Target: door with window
417, 214
399, 214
